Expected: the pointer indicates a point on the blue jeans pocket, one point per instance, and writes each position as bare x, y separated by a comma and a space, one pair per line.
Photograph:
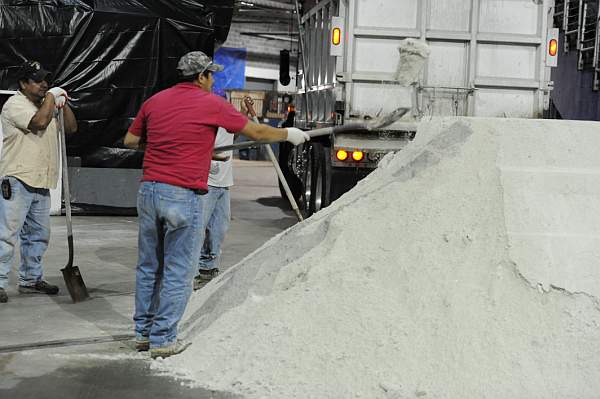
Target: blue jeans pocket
177, 207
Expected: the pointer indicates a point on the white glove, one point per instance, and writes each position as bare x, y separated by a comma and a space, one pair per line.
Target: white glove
60, 96
296, 136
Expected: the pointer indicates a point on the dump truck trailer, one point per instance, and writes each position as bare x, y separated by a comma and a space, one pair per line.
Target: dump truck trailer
486, 58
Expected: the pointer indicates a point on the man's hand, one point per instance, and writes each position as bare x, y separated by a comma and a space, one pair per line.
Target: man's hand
296, 136
60, 96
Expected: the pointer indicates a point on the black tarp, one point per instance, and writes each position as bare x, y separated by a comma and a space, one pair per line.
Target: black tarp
110, 55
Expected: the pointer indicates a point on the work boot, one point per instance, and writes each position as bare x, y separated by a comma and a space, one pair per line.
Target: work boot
142, 344
3, 296
169, 350
204, 276
41, 287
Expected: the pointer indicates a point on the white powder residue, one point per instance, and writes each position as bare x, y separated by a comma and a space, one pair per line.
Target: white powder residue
413, 54
404, 288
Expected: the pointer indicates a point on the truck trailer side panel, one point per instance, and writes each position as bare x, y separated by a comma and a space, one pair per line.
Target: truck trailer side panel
487, 58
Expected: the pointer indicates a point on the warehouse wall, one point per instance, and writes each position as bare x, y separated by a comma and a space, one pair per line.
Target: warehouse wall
263, 54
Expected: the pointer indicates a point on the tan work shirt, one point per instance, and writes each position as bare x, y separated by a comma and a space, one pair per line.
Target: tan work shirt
28, 156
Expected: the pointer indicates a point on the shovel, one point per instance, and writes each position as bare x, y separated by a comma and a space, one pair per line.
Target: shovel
286, 187
71, 273
374, 124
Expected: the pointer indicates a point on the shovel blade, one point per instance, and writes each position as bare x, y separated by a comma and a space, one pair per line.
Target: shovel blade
75, 284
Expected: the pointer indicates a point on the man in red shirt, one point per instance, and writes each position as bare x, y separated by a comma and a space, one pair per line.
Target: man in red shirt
178, 127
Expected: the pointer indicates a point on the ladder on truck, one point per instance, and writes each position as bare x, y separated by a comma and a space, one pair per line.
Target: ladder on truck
579, 21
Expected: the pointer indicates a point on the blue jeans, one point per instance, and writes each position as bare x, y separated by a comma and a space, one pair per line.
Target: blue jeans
169, 225
217, 213
25, 216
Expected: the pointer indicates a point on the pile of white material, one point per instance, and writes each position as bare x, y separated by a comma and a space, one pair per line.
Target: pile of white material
404, 288
413, 54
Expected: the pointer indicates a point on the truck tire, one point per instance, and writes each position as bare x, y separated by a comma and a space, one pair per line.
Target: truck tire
321, 179
306, 199
294, 183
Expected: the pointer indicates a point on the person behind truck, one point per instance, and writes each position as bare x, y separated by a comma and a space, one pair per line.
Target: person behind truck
179, 125
29, 169
216, 212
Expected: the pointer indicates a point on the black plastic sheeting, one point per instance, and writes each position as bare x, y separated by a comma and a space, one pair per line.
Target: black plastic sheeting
110, 55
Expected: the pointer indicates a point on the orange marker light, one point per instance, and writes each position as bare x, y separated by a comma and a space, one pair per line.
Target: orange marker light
342, 155
553, 47
336, 36
358, 155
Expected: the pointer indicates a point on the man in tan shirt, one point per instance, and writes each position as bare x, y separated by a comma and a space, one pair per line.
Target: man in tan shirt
29, 169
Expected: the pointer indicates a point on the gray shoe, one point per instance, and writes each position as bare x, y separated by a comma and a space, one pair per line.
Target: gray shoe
3, 296
142, 344
204, 276
169, 350
41, 287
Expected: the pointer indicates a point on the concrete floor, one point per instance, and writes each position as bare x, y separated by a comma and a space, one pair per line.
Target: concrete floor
50, 347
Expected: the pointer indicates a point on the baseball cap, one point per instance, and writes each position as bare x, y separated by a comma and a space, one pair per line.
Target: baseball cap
196, 62
33, 70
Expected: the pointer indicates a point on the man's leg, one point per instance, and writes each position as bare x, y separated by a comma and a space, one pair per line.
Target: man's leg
149, 267
209, 202
12, 216
180, 212
35, 235
216, 229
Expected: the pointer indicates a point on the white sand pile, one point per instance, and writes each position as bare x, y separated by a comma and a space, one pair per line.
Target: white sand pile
404, 288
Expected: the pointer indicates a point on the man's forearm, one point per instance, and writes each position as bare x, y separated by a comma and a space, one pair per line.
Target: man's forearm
257, 131
43, 116
69, 119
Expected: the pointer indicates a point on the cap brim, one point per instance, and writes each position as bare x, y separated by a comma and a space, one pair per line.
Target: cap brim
40, 75
215, 68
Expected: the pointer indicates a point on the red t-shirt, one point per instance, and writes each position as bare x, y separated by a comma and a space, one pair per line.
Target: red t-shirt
180, 124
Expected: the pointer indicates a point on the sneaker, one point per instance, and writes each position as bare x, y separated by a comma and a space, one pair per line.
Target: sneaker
169, 350
41, 287
3, 296
204, 276
142, 344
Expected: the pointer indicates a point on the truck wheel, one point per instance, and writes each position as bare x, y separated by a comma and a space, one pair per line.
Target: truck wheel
321, 177
293, 181
306, 200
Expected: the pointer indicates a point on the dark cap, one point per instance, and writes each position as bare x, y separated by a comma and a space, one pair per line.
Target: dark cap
33, 70
196, 62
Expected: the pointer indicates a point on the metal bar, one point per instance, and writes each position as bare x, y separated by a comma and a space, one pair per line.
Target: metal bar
565, 15
581, 36
271, 4
579, 22
566, 26
472, 67
65, 342
596, 44
301, 32
274, 33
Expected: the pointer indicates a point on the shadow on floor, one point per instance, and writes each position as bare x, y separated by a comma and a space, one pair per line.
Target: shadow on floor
107, 380
275, 202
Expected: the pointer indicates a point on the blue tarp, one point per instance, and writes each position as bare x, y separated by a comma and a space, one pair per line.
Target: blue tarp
234, 75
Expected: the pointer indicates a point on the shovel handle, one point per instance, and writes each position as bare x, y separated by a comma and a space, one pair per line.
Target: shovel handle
65, 184
366, 126
286, 187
